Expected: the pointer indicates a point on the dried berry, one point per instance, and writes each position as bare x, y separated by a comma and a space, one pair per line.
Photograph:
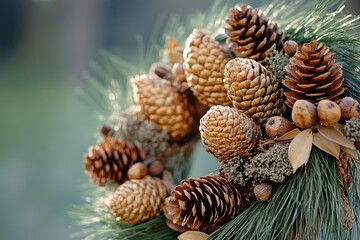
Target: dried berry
329, 113
304, 114
290, 47
263, 192
277, 126
137, 171
349, 108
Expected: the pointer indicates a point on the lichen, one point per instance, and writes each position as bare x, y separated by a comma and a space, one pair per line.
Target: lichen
272, 165
277, 64
352, 129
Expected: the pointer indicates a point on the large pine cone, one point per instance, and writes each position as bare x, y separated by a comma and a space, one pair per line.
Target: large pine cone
204, 63
202, 204
253, 89
251, 35
313, 75
161, 103
228, 133
138, 200
110, 160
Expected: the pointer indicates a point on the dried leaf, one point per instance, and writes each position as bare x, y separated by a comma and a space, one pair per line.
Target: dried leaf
353, 153
289, 135
336, 136
300, 149
193, 235
326, 145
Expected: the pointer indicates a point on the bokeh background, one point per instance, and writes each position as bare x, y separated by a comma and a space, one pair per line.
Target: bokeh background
46, 119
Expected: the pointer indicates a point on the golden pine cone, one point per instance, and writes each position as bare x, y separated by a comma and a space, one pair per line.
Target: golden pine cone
251, 35
161, 103
227, 133
204, 63
202, 204
313, 75
138, 200
253, 89
111, 160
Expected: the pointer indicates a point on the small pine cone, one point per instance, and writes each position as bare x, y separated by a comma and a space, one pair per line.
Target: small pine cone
202, 204
227, 133
111, 160
204, 63
138, 200
251, 35
161, 103
313, 75
253, 89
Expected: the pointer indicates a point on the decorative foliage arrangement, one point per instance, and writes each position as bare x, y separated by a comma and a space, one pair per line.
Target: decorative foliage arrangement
273, 94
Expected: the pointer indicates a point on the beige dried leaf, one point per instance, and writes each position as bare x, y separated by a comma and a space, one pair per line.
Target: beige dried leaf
326, 145
193, 235
289, 135
300, 148
335, 135
353, 153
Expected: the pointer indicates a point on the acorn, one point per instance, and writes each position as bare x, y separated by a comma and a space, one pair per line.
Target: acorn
277, 126
263, 192
290, 47
329, 113
137, 171
349, 108
304, 114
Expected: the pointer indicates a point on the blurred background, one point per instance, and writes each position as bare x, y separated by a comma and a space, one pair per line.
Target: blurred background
46, 120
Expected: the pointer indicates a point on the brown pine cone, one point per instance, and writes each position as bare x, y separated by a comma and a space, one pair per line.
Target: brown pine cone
138, 200
202, 204
251, 35
204, 63
111, 160
253, 89
227, 133
313, 75
161, 103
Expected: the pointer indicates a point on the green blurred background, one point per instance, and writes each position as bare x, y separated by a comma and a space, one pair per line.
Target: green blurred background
47, 121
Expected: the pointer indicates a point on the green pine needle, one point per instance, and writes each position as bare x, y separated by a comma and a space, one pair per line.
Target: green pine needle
97, 223
307, 204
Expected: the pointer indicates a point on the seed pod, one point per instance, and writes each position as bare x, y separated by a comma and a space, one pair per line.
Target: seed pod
277, 126
137, 171
349, 108
304, 114
263, 192
329, 113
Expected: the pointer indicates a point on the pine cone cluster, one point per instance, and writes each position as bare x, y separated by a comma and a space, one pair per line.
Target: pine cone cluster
202, 204
161, 103
251, 35
138, 200
110, 160
204, 63
227, 133
253, 89
313, 75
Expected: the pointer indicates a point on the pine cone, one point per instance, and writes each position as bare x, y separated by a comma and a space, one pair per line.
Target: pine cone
251, 35
313, 75
202, 204
110, 160
204, 63
161, 103
137, 201
227, 133
253, 89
